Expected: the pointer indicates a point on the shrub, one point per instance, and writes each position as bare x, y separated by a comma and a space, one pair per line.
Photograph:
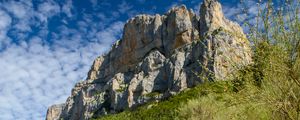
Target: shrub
267, 89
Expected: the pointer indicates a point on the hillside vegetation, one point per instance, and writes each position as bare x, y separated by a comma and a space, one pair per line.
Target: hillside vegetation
269, 88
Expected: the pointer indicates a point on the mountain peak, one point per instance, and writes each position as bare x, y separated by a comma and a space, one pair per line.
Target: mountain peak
212, 18
158, 54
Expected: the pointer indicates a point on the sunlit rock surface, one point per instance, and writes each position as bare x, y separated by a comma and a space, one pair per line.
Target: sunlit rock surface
157, 57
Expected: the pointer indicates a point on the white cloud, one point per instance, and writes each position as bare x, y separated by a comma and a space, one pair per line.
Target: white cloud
22, 12
124, 7
107, 36
18, 9
5, 20
67, 8
36, 75
48, 9
5, 23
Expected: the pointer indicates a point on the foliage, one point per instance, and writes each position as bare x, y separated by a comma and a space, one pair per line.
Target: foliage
168, 109
152, 95
267, 89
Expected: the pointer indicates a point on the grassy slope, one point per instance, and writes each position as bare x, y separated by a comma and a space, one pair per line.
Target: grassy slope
276, 97
267, 89
168, 109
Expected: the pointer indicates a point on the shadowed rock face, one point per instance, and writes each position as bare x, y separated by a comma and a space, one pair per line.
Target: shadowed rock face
156, 58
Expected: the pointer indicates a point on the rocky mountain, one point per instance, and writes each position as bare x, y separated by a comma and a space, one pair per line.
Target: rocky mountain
158, 56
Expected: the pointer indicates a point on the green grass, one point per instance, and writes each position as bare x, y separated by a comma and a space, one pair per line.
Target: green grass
267, 89
236, 99
168, 109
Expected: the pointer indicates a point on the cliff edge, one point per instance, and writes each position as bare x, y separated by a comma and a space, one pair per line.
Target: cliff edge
157, 57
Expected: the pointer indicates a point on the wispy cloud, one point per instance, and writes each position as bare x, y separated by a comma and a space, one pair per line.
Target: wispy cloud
36, 73
67, 8
5, 22
48, 9
34, 76
124, 7
244, 12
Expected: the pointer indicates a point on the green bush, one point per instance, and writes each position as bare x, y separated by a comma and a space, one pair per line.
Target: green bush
267, 89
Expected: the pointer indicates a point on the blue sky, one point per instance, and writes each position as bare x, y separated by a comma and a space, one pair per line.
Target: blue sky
46, 46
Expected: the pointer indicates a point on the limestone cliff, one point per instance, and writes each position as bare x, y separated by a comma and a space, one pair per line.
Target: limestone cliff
157, 57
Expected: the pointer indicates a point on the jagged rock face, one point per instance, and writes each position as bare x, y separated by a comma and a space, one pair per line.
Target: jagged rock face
156, 58
54, 112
